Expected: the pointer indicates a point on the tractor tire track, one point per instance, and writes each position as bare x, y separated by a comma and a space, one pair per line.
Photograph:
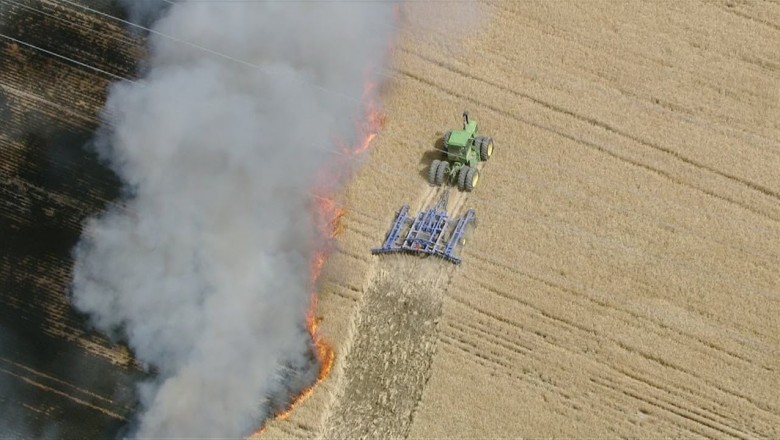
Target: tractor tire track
491, 361
491, 264
599, 148
627, 316
587, 43
590, 333
508, 362
730, 10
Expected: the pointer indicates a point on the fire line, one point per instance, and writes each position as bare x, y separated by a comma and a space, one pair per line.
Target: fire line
328, 220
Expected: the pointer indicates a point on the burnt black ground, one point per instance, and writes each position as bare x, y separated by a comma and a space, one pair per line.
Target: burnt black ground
57, 379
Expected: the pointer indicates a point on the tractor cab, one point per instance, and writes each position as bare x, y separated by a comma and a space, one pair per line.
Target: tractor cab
457, 146
459, 143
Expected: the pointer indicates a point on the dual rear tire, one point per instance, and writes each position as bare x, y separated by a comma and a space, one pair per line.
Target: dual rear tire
468, 178
438, 171
485, 145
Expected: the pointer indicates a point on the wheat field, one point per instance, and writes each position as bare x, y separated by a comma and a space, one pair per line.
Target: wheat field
624, 277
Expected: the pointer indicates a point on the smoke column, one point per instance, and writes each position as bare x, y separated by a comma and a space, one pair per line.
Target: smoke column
205, 269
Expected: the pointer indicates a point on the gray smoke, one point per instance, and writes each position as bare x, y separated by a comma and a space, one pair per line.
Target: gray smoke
144, 12
206, 269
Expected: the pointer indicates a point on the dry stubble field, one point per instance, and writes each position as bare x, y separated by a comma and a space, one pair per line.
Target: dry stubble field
623, 280
624, 277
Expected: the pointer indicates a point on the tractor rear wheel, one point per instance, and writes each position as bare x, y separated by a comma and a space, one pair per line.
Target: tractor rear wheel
441, 172
432, 171
446, 139
462, 177
486, 149
472, 178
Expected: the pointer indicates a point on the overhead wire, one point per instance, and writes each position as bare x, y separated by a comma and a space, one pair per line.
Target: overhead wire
54, 54
181, 41
213, 52
140, 83
119, 77
209, 50
70, 23
124, 41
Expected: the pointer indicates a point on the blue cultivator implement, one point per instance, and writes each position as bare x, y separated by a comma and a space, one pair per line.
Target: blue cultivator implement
427, 234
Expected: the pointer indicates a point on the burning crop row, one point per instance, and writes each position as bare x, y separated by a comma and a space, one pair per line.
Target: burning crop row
327, 216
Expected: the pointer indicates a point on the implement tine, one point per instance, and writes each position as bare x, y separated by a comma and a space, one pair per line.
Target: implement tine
427, 232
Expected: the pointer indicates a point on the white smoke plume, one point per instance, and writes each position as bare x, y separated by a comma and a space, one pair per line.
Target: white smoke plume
206, 269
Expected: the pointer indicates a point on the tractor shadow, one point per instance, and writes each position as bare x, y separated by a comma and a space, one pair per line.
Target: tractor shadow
436, 152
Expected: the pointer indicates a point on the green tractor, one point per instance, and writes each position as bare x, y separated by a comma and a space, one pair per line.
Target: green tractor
464, 150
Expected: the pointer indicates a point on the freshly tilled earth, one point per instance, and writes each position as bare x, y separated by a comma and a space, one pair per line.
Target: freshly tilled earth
391, 357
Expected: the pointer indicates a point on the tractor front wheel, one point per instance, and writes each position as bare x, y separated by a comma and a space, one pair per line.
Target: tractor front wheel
486, 149
446, 139
441, 172
472, 178
433, 171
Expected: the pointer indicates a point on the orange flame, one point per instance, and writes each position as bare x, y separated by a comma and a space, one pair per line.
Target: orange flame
374, 122
324, 353
328, 221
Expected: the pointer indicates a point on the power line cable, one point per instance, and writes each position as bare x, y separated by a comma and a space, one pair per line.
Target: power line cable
208, 50
24, 43
222, 54
142, 84
120, 77
70, 23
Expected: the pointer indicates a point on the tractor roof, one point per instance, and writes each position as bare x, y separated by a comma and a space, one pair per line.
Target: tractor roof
461, 137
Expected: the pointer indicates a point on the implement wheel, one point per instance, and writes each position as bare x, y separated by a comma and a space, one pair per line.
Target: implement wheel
485, 148
441, 172
472, 178
432, 171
